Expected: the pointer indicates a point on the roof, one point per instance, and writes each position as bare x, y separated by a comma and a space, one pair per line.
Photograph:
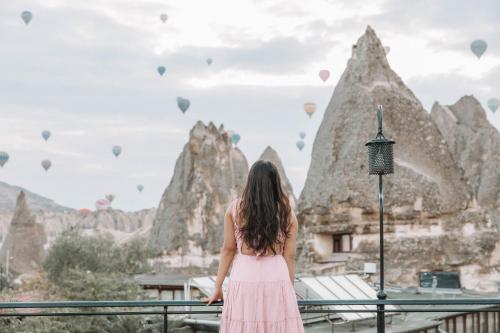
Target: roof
342, 287
206, 284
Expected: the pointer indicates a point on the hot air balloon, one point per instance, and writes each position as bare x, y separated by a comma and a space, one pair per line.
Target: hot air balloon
300, 144
324, 74
102, 204
117, 150
310, 108
478, 47
493, 104
4, 157
183, 104
302, 135
46, 135
209, 61
387, 49
161, 70
235, 138
163, 17
84, 211
46, 164
140, 187
110, 197
26, 16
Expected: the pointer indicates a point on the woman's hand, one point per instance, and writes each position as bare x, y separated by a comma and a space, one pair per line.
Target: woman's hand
216, 296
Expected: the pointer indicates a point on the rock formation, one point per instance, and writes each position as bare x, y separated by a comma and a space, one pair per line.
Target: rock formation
208, 174
429, 207
121, 225
339, 173
271, 155
475, 146
24, 244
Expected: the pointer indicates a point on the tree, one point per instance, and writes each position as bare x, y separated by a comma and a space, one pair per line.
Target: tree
97, 254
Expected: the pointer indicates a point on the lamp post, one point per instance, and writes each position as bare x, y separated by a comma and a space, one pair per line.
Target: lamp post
380, 162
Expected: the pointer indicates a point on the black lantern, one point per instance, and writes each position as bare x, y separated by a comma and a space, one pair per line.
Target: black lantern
380, 162
380, 156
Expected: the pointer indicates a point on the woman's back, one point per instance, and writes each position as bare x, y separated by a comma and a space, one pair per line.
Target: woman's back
243, 248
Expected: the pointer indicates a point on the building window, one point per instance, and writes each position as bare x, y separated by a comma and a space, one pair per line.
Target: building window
167, 295
342, 243
179, 295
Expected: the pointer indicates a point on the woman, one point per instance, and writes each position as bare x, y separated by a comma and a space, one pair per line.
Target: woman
260, 232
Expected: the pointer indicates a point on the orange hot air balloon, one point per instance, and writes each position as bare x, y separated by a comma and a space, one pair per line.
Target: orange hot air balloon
84, 211
310, 108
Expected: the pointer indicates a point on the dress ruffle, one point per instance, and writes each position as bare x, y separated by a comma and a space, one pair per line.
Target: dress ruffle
260, 307
290, 325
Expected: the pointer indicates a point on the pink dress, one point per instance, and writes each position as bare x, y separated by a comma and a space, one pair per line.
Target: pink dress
260, 297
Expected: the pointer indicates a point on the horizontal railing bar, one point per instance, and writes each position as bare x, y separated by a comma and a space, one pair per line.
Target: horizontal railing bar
63, 314
476, 301
320, 302
321, 311
102, 313
401, 310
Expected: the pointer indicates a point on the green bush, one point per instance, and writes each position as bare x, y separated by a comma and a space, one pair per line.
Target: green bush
90, 286
93, 268
131, 257
97, 254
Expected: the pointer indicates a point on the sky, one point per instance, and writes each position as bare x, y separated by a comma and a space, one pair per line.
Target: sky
86, 71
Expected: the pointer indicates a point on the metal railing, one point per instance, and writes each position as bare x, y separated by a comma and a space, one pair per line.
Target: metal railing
491, 305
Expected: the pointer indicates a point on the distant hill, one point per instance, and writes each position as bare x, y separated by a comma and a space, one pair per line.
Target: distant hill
37, 203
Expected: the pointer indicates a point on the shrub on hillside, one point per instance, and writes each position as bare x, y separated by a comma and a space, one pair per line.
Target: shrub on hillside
98, 254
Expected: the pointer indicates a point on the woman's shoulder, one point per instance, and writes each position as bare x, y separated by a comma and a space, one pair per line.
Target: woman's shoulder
233, 205
234, 202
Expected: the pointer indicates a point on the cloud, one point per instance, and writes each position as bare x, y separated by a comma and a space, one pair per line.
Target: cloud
446, 24
444, 88
278, 56
86, 70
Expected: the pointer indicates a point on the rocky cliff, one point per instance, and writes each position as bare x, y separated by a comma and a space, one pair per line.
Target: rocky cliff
24, 244
55, 218
271, 155
475, 146
208, 174
429, 206
121, 225
339, 173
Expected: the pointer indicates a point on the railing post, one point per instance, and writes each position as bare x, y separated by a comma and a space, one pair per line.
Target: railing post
381, 314
381, 294
165, 319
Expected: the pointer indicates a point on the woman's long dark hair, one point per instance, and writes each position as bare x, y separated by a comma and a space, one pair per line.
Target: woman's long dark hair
264, 209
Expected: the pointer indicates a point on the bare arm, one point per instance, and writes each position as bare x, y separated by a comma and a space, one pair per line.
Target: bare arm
291, 246
228, 249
